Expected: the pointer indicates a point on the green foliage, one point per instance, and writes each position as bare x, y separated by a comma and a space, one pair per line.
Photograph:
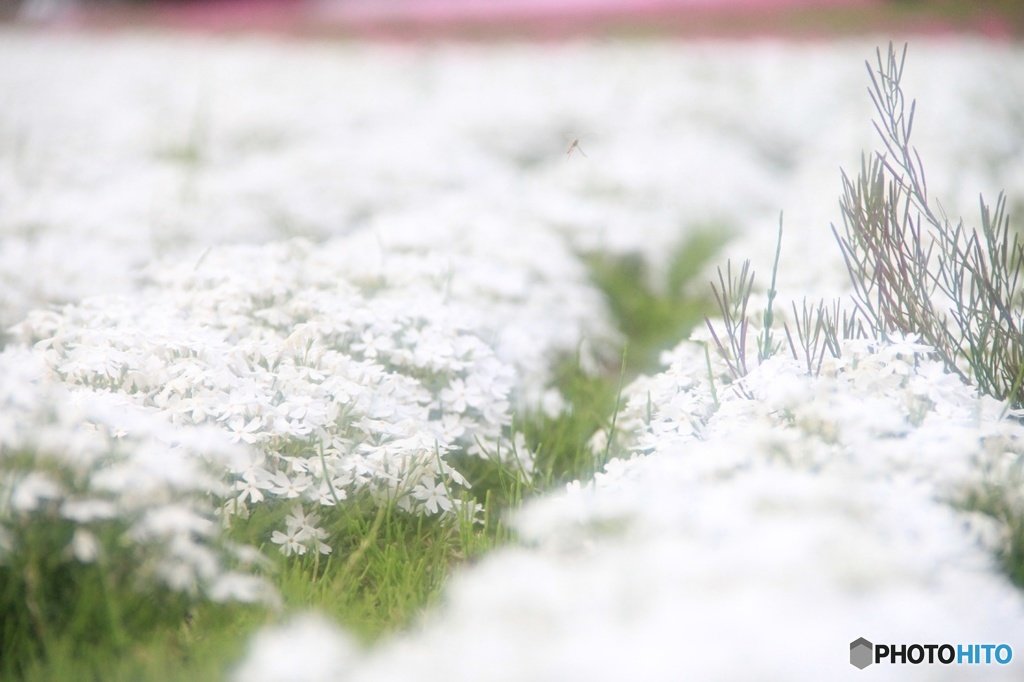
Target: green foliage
1001, 502
88, 592
653, 318
561, 443
386, 567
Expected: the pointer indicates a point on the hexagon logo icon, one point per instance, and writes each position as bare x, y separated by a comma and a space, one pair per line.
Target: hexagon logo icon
861, 653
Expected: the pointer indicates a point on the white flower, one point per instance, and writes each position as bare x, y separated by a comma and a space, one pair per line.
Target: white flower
458, 397
84, 511
84, 546
450, 429
328, 493
33, 490
247, 489
434, 498
171, 521
372, 345
899, 345
552, 403
291, 541
244, 430
302, 526
288, 487
240, 587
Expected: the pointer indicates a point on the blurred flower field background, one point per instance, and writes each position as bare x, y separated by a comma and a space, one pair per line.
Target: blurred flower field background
347, 360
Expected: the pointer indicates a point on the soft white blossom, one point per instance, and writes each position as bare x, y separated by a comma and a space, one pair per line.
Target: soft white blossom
356, 299
292, 541
816, 510
308, 648
124, 485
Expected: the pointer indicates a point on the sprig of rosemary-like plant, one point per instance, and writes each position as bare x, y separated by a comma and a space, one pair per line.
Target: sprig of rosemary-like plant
901, 251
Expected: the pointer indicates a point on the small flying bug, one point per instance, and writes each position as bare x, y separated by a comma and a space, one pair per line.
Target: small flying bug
574, 146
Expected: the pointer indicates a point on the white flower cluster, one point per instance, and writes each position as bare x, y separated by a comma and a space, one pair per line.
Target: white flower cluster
747, 538
815, 510
254, 140
530, 295
119, 486
893, 391
344, 377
